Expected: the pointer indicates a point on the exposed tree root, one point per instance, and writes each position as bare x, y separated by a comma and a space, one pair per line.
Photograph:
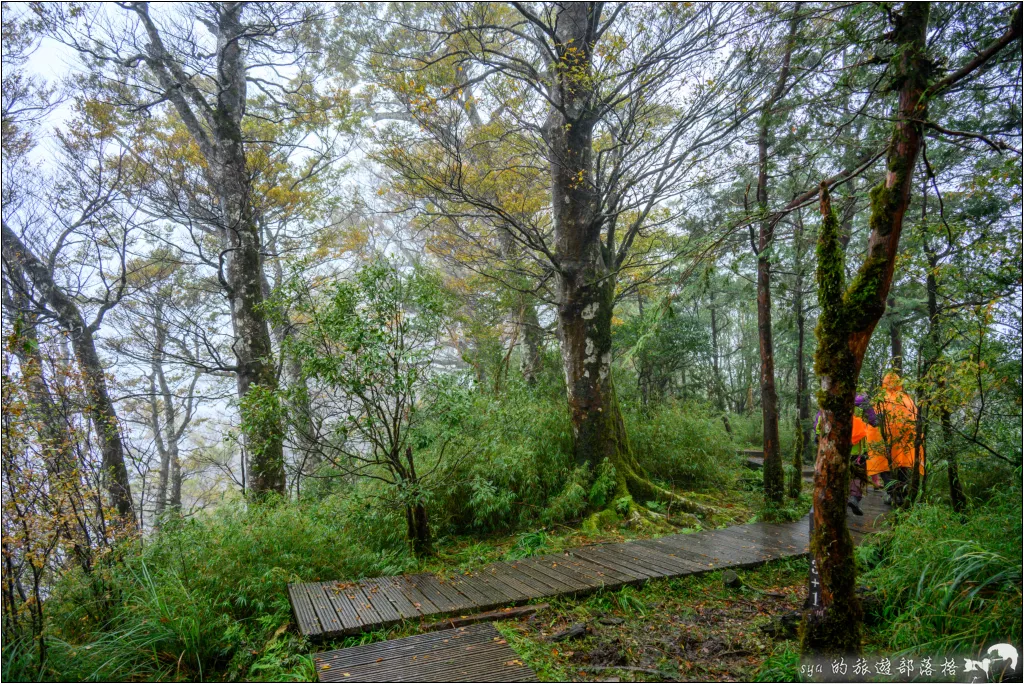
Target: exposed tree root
643, 489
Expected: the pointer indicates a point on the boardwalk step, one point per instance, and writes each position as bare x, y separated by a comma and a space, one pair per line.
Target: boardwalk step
477, 653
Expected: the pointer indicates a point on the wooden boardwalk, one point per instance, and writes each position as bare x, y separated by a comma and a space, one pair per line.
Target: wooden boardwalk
755, 461
466, 654
330, 609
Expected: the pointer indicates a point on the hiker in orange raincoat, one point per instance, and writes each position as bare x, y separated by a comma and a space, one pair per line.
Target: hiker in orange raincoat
899, 423
863, 432
861, 437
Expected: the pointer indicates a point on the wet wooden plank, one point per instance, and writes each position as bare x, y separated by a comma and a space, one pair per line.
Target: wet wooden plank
302, 608
428, 586
502, 573
664, 545
416, 597
627, 557
461, 601
368, 614
380, 602
611, 577
544, 588
721, 555
558, 585
476, 653
751, 548
556, 566
341, 597
512, 594
593, 555
480, 595
387, 586
680, 566
330, 622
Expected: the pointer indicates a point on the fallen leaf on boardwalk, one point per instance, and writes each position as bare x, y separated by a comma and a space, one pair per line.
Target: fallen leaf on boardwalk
380, 660
514, 662
325, 666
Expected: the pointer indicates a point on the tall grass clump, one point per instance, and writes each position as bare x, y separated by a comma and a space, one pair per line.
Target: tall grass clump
951, 584
208, 596
683, 444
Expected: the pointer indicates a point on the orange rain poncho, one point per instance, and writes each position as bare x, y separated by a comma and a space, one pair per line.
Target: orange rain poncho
900, 416
877, 462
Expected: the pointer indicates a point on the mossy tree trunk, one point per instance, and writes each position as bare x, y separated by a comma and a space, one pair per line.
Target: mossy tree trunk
933, 345
848, 318
803, 397
533, 338
586, 264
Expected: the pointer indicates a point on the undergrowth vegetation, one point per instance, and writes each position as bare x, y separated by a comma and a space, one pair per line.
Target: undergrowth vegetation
950, 584
206, 598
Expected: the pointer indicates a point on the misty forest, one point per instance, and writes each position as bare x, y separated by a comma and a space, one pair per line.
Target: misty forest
702, 322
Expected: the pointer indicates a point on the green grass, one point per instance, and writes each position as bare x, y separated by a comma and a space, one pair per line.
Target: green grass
949, 584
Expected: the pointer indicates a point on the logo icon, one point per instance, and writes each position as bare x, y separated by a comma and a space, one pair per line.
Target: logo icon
1001, 652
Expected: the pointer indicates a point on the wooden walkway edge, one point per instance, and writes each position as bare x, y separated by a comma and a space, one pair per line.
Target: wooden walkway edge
465, 654
331, 609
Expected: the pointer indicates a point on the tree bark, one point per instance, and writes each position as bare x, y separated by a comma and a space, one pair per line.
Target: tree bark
533, 336
586, 284
848, 317
803, 399
773, 474
217, 130
719, 388
934, 345
895, 340
167, 436
585, 265
101, 409
62, 475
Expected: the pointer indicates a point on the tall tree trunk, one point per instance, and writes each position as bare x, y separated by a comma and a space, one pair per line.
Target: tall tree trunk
803, 400
217, 130
934, 355
252, 346
895, 339
416, 513
848, 317
62, 475
302, 419
164, 474
773, 474
533, 336
100, 409
586, 284
586, 266
719, 384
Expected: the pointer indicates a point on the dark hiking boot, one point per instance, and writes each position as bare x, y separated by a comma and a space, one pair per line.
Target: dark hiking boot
854, 506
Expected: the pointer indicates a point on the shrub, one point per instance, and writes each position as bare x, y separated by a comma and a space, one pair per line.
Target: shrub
686, 445
513, 462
